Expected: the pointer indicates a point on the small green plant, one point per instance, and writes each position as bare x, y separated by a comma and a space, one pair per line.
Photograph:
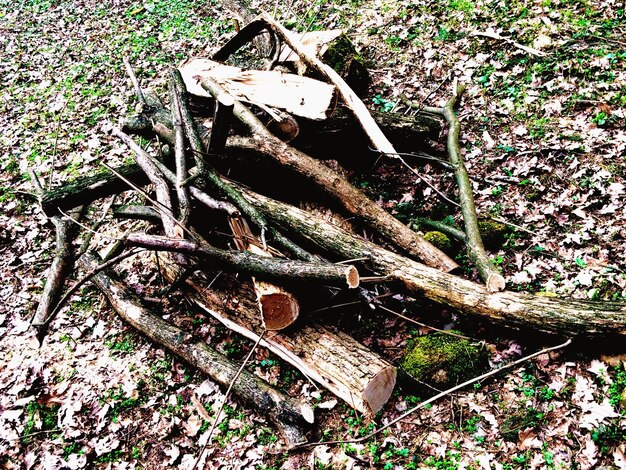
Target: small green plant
72, 448
600, 118
39, 417
616, 389
266, 436
607, 436
110, 457
126, 344
384, 104
449, 462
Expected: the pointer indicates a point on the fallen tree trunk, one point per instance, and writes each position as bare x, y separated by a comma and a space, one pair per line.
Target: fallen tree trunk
289, 415
565, 317
335, 360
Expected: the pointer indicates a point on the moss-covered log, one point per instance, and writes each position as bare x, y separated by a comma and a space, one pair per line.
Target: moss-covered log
441, 360
86, 189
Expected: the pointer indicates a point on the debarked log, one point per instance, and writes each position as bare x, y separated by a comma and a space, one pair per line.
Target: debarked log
289, 415
335, 360
565, 317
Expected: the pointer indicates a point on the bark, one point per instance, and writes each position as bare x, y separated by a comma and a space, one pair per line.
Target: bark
566, 317
289, 415
335, 185
147, 213
249, 263
220, 127
335, 360
184, 205
191, 132
61, 266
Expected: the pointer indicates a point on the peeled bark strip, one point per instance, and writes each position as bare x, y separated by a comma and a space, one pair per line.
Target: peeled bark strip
353, 200
248, 263
567, 317
279, 307
289, 415
297, 95
335, 360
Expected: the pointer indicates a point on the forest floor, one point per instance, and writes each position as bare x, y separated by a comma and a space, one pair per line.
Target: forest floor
543, 138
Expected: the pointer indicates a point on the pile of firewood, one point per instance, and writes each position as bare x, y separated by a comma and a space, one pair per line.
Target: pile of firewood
257, 114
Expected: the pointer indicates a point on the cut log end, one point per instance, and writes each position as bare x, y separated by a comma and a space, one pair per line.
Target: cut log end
279, 310
379, 389
352, 277
496, 283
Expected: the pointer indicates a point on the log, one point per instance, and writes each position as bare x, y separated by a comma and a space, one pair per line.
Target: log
335, 185
86, 189
560, 316
147, 213
249, 263
222, 118
184, 205
290, 416
61, 266
279, 307
342, 138
335, 360
191, 132
297, 95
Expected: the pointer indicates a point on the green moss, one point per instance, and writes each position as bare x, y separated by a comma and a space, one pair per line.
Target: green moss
347, 62
439, 239
442, 360
493, 233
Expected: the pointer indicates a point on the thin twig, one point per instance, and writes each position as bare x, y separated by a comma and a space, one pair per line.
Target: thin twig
56, 140
230, 386
135, 82
437, 397
445, 332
